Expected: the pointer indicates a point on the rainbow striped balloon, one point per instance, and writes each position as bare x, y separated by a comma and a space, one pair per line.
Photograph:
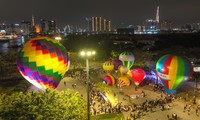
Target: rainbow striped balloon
109, 79
174, 70
43, 61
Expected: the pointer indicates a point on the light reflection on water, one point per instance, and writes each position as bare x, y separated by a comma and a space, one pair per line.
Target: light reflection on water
13, 44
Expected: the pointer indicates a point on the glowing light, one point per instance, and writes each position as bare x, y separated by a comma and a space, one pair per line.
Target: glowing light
93, 52
58, 38
87, 53
82, 53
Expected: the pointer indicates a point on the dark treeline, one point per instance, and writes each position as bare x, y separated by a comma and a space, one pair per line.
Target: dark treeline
182, 39
105, 41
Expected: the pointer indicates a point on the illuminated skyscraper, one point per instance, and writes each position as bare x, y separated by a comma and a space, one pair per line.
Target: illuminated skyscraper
33, 21
48, 26
99, 25
157, 15
151, 24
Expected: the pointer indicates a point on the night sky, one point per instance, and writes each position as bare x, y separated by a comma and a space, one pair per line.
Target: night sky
121, 12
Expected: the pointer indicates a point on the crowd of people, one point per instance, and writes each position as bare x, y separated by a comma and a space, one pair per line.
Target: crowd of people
100, 105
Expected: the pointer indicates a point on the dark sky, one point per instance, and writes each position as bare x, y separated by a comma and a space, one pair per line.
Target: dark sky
120, 12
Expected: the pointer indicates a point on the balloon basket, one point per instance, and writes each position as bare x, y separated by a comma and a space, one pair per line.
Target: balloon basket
170, 91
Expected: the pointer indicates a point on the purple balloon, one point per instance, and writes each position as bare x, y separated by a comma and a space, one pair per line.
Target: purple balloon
116, 63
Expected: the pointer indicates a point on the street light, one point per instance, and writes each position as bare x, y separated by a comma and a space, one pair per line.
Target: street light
88, 54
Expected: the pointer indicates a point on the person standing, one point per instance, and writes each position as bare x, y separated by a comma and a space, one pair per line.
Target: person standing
168, 117
65, 83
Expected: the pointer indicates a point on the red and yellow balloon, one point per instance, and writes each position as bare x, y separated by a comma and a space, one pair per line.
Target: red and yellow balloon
109, 79
123, 81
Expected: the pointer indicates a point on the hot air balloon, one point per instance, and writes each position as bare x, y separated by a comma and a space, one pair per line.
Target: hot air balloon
116, 63
108, 66
109, 79
127, 59
43, 62
123, 70
123, 81
173, 71
138, 75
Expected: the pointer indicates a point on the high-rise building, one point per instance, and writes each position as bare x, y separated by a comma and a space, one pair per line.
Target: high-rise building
33, 21
26, 27
157, 15
99, 25
48, 27
165, 25
151, 24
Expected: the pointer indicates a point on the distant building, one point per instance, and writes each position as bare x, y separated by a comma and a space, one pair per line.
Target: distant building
26, 27
99, 25
125, 31
195, 26
157, 15
151, 24
48, 27
165, 25
140, 27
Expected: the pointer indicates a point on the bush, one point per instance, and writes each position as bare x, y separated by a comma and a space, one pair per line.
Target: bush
51, 104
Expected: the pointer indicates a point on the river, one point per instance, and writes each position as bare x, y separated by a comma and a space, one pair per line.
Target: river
12, 44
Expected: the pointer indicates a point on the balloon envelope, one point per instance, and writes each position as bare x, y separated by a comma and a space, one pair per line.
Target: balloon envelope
127, 59
108, 66
174, 70
43, 61
116, 63
109, 79
123, 81
138, 75
123, 69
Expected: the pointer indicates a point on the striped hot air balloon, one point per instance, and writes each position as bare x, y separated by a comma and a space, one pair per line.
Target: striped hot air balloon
109, 79
127, 59
123, 81
43, 61
174, 71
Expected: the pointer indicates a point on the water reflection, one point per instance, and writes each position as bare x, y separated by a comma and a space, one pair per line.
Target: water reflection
13, 44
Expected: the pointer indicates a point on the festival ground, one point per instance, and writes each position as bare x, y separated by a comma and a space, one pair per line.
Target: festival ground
177, 106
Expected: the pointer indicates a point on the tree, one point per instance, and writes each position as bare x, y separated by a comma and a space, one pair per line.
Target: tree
64, 105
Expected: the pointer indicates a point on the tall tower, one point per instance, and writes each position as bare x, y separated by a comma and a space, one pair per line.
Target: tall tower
33, 21
157, 14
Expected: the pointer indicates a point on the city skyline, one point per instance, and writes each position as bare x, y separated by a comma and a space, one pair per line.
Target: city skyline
121, 13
